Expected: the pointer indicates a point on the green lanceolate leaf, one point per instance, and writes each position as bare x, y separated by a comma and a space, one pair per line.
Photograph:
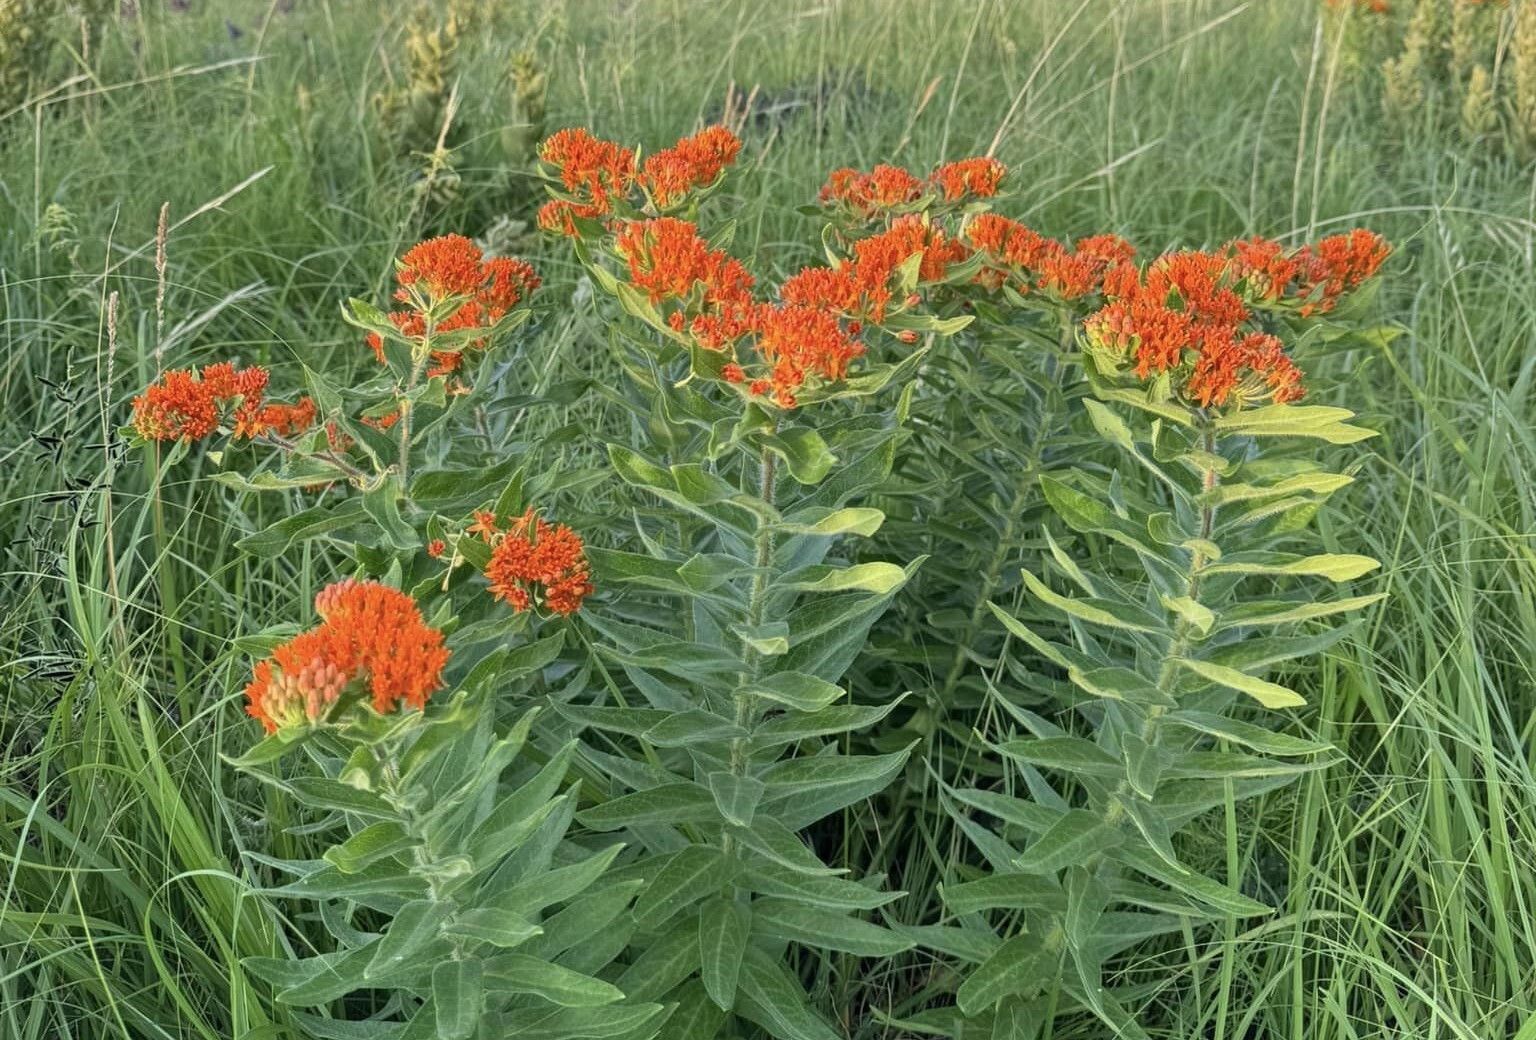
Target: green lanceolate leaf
1289, 420
1097, 611
818, 927
516, 973
794, 690
458, 993
1074, 838
1022, 966
724, 925
1333, 566
771, 997
1068, 754
736, 796
671, 803
415, 926
1271, 695
689, 875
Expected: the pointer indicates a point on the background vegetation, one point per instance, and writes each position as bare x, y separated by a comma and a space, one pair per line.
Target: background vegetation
1403, 876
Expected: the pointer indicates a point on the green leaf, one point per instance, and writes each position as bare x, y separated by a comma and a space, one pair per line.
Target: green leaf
383, 505
852, 520
840, 718
1333, 566
318, 792
1068, 754
771, 997
1198, 887
1271, 695
416, 924
670, 803
817, 927
502, 928
533, 894
685, 728
1004, 892
831, 892
724, 925
778, 844
1302, 483
519, 973
878, 578
1110, 426
1284, 613
793, 690
736, 796
315, 522
804, 452
1096, 611
804, 790
1289, 420
1076, 836
1260, 739
697, 1016
458, 993
1196, 615
693, 873
1144, 764
369, 845
1021, 966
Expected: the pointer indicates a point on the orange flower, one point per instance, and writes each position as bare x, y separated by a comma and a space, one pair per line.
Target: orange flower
436, 547
485, 526
869, 193
978, 177
184, 405
596, 170
560, 216
694, 162
667, 258
1338, 264
1254, 367
1266, 266
862, 286
286, 420
1181, 316
798, 342
449, 265
453, 266
535, 558
370, 634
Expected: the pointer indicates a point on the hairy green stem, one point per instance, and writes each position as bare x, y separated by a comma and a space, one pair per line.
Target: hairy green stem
762, 560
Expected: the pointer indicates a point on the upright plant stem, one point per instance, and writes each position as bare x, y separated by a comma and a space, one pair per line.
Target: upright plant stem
762, 560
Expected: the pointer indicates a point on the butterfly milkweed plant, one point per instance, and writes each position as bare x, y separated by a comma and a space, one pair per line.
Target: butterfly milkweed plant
962, 491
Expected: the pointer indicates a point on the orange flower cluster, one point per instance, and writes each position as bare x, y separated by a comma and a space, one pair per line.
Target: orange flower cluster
594, 169
1027, 260
978, 177
1337, 265
861, 286
799, 342
888, 187
448, 267
535, 559
186, 405
668, 258
694, 162
1314, 277
868, 193
369, 633
1183, 315
599, 173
